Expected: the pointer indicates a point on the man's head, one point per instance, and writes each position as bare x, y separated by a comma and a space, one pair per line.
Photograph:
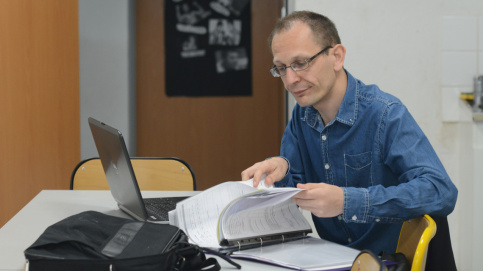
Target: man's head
309, 58
323, 29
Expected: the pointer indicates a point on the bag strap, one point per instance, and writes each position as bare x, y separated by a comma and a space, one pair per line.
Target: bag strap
223, 256
400, 261
203, 266
192, 257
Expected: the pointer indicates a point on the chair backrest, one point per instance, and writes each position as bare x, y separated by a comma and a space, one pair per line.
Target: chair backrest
367, 261
153, 173
414, 240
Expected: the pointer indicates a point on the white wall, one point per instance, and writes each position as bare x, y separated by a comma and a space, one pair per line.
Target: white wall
416, 51
107, 69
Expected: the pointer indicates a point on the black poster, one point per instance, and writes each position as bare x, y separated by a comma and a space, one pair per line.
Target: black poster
208, 47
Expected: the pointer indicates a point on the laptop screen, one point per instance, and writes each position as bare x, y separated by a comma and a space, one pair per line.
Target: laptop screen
117, 166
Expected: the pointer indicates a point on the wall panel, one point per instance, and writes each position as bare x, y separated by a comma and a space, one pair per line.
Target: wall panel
39, 104
217, 136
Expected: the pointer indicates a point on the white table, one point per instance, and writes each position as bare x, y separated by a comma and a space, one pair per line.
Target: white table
51, 206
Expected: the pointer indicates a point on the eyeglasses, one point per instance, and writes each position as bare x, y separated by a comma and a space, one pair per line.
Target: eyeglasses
298, 65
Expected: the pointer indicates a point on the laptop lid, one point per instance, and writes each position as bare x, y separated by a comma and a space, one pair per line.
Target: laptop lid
118, 168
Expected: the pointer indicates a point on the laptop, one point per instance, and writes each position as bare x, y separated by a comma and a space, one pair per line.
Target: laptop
121, 179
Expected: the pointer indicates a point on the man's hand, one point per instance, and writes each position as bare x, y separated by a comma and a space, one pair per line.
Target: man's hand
275, 168
321, 199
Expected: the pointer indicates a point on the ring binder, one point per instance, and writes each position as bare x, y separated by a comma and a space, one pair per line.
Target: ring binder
243, 204
266, 240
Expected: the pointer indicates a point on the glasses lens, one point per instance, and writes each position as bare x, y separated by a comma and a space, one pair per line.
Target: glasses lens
300, 65
276, 72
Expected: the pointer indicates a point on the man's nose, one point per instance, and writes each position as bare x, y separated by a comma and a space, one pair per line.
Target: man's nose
291, 77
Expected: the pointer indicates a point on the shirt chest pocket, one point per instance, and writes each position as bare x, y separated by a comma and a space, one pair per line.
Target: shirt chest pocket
358, 171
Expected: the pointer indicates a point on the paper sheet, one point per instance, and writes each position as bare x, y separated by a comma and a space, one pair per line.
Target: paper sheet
306, 254
199, 214
261, 184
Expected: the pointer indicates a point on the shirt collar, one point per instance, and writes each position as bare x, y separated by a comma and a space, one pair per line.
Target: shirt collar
348, 108
347, 113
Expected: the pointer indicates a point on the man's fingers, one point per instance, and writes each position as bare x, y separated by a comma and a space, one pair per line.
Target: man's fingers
322, 200
269, 180
308, 186
272, 178
301, 186
246, 175
249, 173
274, 168
257, 177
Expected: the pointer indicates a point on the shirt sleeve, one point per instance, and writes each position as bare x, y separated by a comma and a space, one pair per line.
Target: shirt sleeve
423, 185
288, 151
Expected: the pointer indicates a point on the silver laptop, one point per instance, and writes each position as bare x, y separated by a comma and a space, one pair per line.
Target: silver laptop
121, 179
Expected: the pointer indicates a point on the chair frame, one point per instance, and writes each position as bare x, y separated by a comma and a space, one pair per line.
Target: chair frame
416, 253
135, 158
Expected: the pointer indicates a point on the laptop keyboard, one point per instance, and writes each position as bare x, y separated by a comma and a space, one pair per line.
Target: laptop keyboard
159, 207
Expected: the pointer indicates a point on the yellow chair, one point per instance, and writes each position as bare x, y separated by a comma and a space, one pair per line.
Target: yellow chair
156, 173
414, 240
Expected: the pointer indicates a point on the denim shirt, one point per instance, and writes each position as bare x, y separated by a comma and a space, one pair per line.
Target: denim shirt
376, 152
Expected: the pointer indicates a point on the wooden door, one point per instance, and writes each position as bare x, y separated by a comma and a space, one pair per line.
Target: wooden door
217, 136
39, 99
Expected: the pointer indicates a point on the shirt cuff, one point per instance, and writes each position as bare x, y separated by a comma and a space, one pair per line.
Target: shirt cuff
283, 182
356, 205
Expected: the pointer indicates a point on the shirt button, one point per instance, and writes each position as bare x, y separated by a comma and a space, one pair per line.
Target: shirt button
354, 217
378, 220
327, 166
339, 217
349, 240
324, 138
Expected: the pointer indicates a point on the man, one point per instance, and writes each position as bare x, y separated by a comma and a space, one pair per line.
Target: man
363, 161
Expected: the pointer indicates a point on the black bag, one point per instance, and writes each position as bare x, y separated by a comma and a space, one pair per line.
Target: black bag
400, 262
95, 241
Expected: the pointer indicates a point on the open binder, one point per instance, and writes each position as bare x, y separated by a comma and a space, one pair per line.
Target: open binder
235, 216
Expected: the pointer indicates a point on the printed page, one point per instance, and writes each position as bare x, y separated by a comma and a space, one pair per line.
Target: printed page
260, 199
261, 184
268, 219
198, 215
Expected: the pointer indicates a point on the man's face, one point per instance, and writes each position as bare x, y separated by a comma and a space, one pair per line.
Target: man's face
312, 86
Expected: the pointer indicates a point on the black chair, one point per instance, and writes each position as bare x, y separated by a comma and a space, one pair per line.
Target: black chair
440, 251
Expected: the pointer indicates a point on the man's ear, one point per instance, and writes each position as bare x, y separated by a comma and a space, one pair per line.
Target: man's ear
339, 54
